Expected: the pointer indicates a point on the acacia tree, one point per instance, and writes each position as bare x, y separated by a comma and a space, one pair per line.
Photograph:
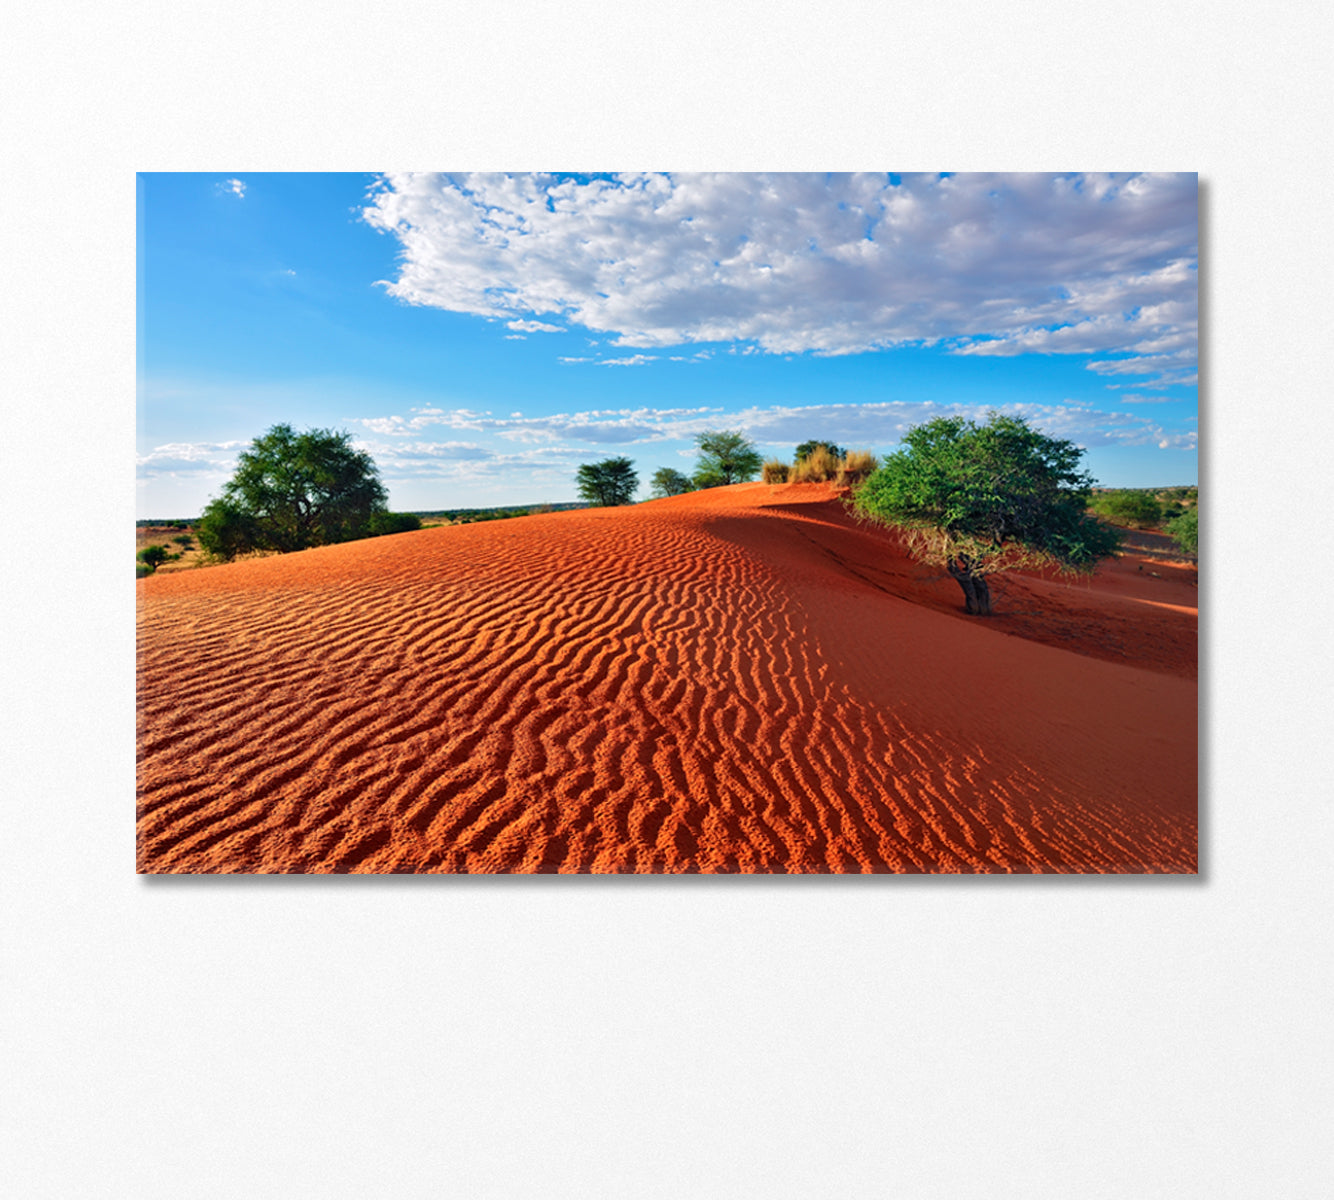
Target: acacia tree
725, 456
608, 483
154, 556
292, 491
979, 499
668, 481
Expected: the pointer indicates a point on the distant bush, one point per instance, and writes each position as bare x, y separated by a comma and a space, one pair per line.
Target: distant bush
667, 481
807, 448
1138, 509
857, 467
725, 457
185, 542
774, 471
153, 556
610, 483
382, 523
1185, 529
817, 466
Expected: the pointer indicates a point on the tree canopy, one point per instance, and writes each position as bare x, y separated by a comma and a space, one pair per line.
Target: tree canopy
1127, 507
978, 499
292, 491
835, 452
668, 481
608, 483
154, 556
1185, 529
725, 456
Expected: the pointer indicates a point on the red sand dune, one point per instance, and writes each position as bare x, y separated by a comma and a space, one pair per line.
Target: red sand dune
744, 679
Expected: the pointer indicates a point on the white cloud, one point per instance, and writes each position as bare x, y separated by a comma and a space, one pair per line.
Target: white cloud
623, 426
533, 327
634, 360
189, 458
235, 186
856, 425
994, 264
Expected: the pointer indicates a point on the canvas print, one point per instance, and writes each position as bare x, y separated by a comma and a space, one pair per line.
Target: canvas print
661, 523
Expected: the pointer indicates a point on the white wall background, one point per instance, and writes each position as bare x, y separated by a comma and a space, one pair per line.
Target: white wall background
648, 1037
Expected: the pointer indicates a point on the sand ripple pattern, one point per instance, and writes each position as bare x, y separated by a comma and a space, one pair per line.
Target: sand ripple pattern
685, 686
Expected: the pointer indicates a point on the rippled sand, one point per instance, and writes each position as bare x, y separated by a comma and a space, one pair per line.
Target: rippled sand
743, 679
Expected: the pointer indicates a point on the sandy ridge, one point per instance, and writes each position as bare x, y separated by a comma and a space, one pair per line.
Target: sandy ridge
738, 680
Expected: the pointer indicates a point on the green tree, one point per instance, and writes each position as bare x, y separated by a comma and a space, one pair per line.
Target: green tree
292, 491
725, 456
608, 483
1186, 530
1128, 507
667, 481
154, 556
979, 499
392, 522
835, 452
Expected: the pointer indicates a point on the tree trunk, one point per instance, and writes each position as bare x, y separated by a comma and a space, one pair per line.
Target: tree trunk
983, 595
976, 593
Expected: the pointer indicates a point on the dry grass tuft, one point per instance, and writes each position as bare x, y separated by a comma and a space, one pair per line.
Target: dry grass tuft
856, 468
774, 471
819, 466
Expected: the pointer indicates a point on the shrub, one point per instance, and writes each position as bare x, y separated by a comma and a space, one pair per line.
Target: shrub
856, 468
978, 499
382, 523
1126, 507
818, 466
153, 556
142, 569
185, 542
1185, 530
774, 471
667, 481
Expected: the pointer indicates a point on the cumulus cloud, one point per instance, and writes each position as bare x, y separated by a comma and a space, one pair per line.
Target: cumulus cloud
470, 463
533, 327
235, 186
876, 425
599, 426
189, 458
829, 264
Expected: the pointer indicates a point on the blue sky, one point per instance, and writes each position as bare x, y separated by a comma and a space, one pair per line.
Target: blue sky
482, 336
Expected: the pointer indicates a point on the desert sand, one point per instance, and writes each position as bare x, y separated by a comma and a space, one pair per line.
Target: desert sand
739, 680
